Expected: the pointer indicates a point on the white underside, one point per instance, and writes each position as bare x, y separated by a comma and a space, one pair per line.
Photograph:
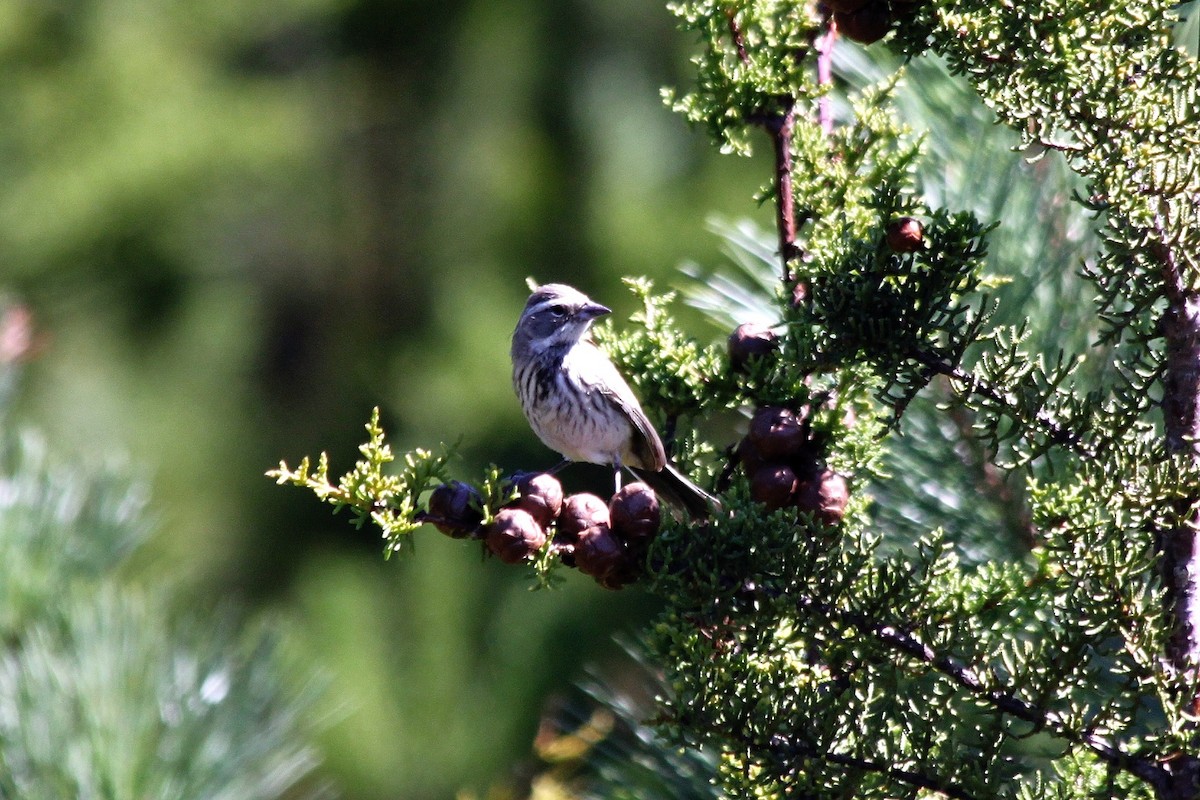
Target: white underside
595, 430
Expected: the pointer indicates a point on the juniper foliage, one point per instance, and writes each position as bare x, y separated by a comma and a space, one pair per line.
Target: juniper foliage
877, 656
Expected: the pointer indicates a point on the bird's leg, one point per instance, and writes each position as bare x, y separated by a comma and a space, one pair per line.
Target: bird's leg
558, 466
617, 474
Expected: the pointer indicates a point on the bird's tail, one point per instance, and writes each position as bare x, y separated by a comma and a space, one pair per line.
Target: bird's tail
674, 487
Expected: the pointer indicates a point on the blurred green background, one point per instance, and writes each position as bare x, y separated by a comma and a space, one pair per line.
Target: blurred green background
239, 226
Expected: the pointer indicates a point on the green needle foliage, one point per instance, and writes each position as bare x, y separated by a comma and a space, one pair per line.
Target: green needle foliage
115, 701
59, 529
880, 653
106, 691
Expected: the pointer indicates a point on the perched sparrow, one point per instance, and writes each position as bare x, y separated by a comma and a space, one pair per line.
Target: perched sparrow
577, 402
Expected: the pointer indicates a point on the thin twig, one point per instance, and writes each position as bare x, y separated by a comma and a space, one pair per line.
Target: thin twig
968, 678
780, 130
779, 127
1180, 546
909, 777
739, 41
825, 74
973, 384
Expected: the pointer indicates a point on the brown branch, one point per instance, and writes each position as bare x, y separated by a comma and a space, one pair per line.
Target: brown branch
739, 41
825, 73
1005, 701
1180, 545
909, 777
780, 129
973, 384
967, 678
1181, 418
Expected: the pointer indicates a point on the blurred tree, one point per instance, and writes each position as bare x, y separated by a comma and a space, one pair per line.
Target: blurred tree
118, 688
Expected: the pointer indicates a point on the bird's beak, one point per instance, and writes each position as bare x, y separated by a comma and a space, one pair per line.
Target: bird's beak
590, 310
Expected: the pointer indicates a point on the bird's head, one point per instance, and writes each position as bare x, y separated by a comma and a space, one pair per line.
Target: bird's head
555, 315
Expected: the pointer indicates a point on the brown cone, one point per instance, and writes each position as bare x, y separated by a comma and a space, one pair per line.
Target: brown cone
541, 495
905, 235
454, 509
580, 512
825, 495
778, 434
599, 553
773, 485
514, 536
750, 340
635, 513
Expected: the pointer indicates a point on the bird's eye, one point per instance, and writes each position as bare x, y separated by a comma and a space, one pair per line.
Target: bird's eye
558, 310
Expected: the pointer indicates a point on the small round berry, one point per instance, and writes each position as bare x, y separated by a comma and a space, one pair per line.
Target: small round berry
599, 553
454, 509
905, 235
825, 495
748, 341
867, 25
540, 494
778, 433
514, 536
635, 513
773, 485
580, 512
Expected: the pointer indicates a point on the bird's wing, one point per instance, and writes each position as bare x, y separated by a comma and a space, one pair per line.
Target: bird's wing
646, 446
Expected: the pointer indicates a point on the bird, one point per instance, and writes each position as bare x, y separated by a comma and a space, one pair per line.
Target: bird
579, 405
